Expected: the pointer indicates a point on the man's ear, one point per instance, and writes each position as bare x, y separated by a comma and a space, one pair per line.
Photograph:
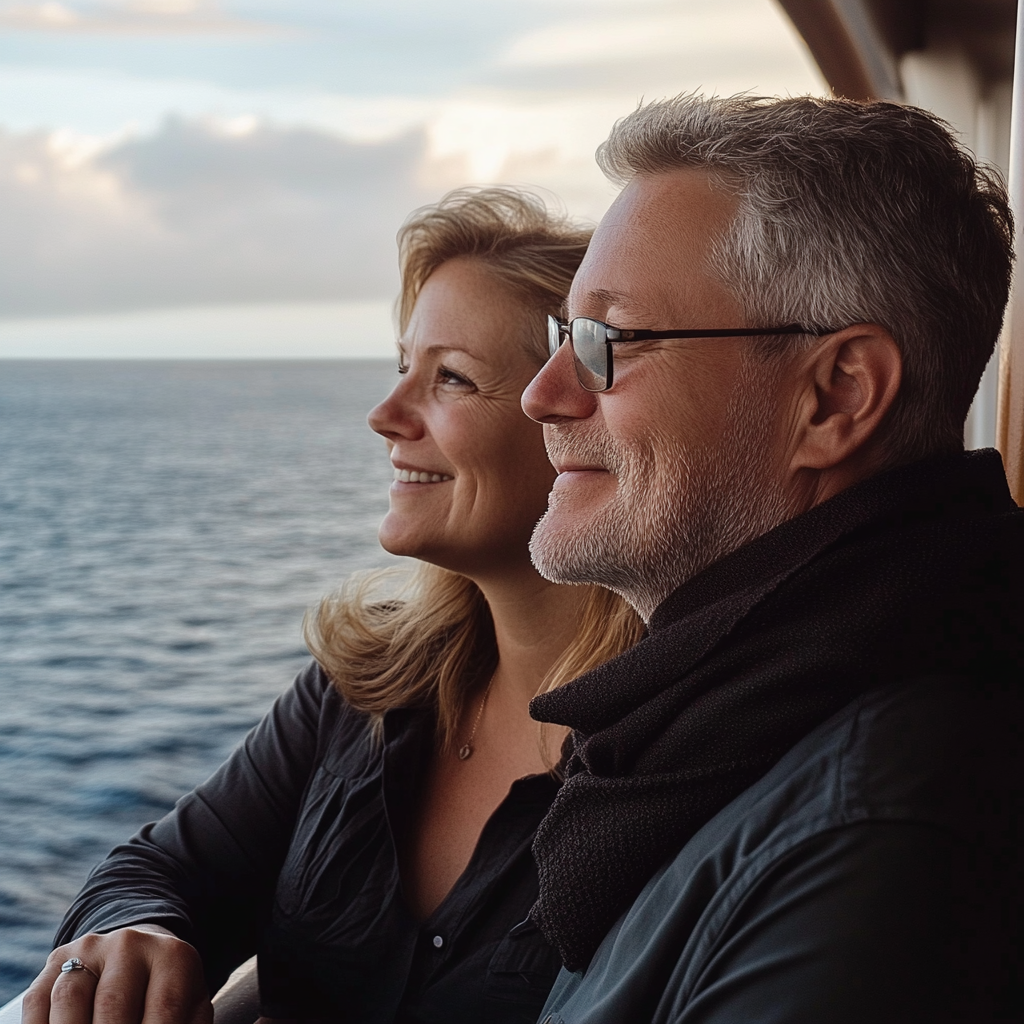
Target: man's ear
847, 383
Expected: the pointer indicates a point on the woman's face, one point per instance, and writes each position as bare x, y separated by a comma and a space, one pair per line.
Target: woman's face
471, 474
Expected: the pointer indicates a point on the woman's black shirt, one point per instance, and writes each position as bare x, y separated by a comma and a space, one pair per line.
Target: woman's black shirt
289, 850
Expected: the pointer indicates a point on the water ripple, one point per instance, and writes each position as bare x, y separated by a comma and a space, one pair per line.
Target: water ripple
162, 529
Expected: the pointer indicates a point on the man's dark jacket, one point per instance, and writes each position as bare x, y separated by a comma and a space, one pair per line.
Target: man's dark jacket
799, 798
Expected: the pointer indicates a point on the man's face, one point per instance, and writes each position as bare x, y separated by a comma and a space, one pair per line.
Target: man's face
673, 467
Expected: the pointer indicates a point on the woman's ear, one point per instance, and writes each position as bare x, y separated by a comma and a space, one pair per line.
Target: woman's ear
848, 384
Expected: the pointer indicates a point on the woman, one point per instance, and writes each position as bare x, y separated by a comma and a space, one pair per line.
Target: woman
371, 838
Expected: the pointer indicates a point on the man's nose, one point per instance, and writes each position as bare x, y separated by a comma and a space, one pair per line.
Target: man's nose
555, 394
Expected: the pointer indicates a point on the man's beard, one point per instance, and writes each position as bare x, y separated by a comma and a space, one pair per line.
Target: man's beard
675, 511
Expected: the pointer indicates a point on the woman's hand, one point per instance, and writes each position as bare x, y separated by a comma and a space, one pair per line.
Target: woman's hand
141, 973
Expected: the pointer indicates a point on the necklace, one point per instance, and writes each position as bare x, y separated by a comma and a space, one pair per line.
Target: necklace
467, 748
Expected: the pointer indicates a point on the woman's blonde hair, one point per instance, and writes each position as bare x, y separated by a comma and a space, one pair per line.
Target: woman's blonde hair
526, 247
433, 641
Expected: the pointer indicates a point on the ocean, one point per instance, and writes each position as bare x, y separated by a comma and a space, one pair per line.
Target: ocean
163, 528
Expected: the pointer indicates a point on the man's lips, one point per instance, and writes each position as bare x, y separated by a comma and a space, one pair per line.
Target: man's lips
570, 473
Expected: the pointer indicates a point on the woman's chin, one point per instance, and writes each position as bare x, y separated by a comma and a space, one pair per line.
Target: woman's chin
407, 545
394, 546
397, 539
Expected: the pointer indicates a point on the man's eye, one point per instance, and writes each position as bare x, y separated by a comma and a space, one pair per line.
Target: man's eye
403, 367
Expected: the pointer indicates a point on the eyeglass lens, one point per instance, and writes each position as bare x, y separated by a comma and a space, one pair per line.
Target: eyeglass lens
590, 349
554, 336
590, 346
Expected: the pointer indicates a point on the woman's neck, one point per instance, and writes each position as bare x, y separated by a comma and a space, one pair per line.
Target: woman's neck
534, 622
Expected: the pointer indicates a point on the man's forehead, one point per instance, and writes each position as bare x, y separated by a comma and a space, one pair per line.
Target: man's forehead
649, 253
622, 257
683, 199
597, 301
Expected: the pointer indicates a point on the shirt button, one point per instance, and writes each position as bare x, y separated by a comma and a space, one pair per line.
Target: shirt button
438, 942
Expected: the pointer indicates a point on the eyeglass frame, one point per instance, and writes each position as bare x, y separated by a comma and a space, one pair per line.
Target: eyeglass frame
560, 331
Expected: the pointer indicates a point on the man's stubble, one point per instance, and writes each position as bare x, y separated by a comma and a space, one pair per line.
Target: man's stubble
676, 510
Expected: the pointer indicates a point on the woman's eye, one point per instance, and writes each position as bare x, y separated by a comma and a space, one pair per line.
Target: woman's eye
451, 377
403, 367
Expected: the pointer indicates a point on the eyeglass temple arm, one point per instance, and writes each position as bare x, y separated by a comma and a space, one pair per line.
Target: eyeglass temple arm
614, 334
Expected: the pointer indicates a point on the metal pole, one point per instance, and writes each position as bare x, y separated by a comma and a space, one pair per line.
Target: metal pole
1010, 431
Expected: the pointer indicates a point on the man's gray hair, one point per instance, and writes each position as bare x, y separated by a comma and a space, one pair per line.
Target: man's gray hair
850, 213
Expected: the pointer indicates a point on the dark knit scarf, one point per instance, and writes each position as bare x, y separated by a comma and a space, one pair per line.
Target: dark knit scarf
915, 570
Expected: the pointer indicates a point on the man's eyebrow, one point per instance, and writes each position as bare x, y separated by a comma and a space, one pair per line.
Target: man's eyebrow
609, 297
605, 298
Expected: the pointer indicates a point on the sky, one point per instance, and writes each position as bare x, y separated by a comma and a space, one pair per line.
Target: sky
196, 179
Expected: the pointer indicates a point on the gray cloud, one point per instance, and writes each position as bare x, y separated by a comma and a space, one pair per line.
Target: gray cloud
196, 214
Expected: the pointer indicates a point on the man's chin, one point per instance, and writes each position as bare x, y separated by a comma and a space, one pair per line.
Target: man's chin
555, 541
566, 549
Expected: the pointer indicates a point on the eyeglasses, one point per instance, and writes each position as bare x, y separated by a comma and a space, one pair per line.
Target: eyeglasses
591, 343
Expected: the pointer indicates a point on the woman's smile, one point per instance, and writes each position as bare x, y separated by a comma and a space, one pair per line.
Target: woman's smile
419, 476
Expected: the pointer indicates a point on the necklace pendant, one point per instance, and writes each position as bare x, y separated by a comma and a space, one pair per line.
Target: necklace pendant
464, 751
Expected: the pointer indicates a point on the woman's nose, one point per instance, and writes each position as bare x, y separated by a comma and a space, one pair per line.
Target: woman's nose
396, 417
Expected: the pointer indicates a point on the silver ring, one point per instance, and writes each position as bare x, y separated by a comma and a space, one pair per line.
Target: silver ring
74, 964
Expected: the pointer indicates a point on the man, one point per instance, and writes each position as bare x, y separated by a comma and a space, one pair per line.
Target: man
797, 798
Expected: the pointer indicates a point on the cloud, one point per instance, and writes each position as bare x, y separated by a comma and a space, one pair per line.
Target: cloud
146, 17
661, 49
102, 102
288, 190
630, 36
202, 213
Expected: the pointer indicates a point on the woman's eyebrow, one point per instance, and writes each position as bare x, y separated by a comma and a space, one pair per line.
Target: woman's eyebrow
437, 349
441, 349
